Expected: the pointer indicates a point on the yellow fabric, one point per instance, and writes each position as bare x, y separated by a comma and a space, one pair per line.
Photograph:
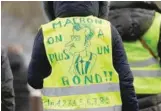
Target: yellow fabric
105, 99
143, 85
80, 53
149, 67
151, 37
147, 85
136, 52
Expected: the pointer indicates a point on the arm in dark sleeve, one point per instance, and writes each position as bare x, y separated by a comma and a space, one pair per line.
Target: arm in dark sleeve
129, 100
7, 91
39, 66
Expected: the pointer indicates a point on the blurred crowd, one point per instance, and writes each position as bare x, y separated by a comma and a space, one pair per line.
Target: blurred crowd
15, 90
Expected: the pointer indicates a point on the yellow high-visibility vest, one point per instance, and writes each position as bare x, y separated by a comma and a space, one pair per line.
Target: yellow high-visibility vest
145, 67
83, 77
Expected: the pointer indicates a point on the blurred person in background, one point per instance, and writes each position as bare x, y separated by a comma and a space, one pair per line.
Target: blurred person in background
7, 91
65, 51
139, 24
19, 70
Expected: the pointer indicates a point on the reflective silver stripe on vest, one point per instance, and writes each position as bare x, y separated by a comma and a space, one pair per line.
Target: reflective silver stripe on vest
147, 73
74, 90
114, 108
144, 63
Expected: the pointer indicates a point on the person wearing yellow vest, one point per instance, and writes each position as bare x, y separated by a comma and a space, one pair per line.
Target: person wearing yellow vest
78, 60
139, 24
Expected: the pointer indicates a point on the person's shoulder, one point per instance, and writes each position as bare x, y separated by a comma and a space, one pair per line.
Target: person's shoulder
114, 32
115, 36
39, 31
39, 35
49, 24
113, 28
